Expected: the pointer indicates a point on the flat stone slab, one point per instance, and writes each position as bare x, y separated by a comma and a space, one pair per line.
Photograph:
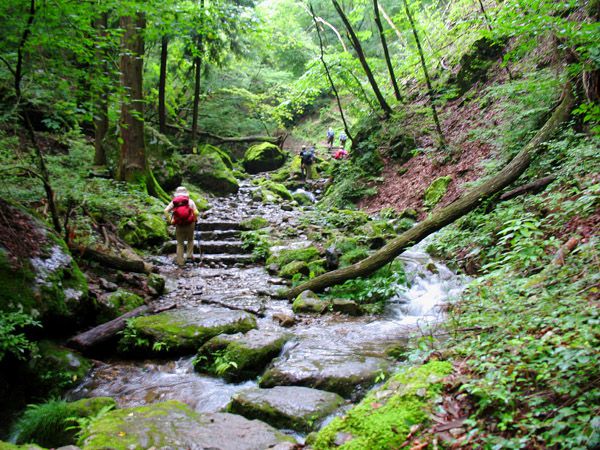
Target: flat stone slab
238, 357
326, 368
293, 407
218, 225
225, 258
187, 329
175, 425
208, 247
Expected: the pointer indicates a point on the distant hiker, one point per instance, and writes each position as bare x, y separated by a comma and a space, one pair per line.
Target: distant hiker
330, 136
340, 153
343, 139
307, 158
184, 213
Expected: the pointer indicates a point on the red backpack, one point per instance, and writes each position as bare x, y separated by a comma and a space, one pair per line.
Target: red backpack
183, 214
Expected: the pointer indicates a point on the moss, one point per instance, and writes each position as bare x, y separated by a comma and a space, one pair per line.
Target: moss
308, 302
118, 303
317, 268
143, 230
201, 202
263, 157
381, 422
293, 268
57, 368
255, 223
52, 424
208, 171
8, 446
436, 190
225, 157
277, 188
307, 255
353, 256
156, 282
176, 332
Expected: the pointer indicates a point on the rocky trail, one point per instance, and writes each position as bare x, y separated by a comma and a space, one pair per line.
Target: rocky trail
274, 370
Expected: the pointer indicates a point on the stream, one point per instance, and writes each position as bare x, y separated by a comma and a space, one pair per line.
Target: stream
322, 348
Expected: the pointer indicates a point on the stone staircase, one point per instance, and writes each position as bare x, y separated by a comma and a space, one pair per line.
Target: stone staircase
220, 245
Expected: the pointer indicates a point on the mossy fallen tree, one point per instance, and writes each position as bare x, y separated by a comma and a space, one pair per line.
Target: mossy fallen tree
466, 203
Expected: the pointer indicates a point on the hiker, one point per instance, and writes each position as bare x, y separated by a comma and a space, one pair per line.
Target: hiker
343, 139
307, 157
340, 153
184, 213
330, 136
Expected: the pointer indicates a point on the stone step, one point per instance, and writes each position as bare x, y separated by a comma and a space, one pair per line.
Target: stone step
207, 247
218, 225
226, 259
218, 235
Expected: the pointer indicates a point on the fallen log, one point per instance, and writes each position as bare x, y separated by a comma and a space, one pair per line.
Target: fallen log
463, 205
533, 187
114, 262
102, 333
259, 312
564, 250
277, 140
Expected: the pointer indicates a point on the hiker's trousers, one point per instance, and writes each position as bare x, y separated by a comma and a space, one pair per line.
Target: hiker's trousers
185, 234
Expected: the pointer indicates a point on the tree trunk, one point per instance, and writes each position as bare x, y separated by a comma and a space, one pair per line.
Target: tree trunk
132, 161
466, 203
18, 73
198, 74
101, 115
322, 56
162, 82
386, 51
114, 262
387, 111
427, 79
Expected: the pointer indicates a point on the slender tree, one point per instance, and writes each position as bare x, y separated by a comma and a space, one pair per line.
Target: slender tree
322, 56
101, 113
363, 60
197, 76
438, 128
488, 22
132, 162
162, 83
386, 52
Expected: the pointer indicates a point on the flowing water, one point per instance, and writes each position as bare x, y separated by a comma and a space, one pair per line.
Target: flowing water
321, 345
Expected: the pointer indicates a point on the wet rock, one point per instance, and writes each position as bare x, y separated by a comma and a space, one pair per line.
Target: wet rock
263, 157
240, 356
285, 320
287, 207
332, 257
175, 425
342, 438
156, 282
303, 197
185, 330
324, 368
346, 306
292, 407
309, 302
117, 303
208, 171
107, 285
293, 268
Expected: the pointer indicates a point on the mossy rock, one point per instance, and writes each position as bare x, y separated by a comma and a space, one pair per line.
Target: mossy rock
346, 218
436, 190
51, 424
57, 369
309, 302
475, 64
384, 418
353, 256
173, 424
201, 202
254, 223
42, 280
143, 230
277, 188
225, 156
168, 172
9, 446
157, 282
290, 407
306, 254
184, 330
118, 303
208, 171
303, 198
293, 268
240, 356
263, 158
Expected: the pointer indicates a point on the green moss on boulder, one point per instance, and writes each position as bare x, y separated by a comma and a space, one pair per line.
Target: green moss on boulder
208, 171
207, 148
263, 157
277, 188
293, 268
143, 230
118, 303
254, 223
309, 302
384, 418
436, 190
306, 254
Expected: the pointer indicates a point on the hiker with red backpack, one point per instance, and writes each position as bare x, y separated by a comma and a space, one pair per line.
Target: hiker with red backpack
184, 213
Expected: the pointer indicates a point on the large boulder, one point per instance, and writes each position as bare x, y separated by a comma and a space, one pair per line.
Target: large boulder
143, 230
184, 330
475, 64
240, 356
309, 302
117, 303
293, 407
175, 425
208, 170
38, 276
263, 157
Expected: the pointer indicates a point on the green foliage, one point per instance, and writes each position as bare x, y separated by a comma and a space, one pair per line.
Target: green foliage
287, 256
12, 339
259, 242
132, 339
436, 191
